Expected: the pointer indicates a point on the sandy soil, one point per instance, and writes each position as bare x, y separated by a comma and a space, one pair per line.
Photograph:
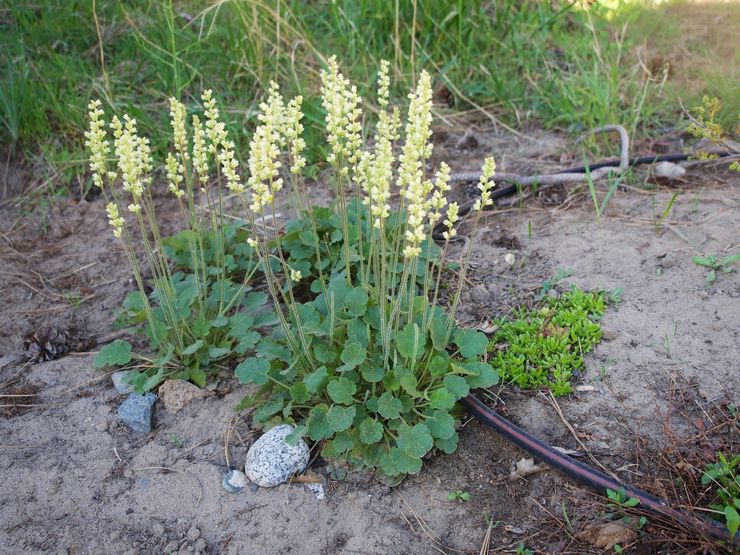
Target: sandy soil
76, 481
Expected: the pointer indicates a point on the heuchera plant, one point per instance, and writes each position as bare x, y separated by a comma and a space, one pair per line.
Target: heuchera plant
365, 360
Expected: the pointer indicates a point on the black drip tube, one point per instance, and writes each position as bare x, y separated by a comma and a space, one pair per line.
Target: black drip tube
587, 476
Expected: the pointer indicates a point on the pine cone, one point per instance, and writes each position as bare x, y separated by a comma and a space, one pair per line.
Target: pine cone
47, 343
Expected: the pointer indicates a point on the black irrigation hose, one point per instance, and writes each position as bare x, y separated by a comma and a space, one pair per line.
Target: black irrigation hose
508, 190
591, 477
639, 160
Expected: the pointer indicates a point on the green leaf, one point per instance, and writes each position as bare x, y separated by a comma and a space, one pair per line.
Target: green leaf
389, 407
441, 424
214, 353
201, 327
240, 324
415, 442
268, 409
371, 374
324, 353
247, 342
117, 353
295, 436
439, 366
152, 381
448, 445
456, 385
357, 331
198, 377
315, 380
733, 520
353, 354
355, 302
410, 342
371, 431
404, 463
438, 330
341, 390
253, 370
254, 300
408, 383
192, 348
484, 374
318, 427
340, 418
299, 392
471, 343
441, 399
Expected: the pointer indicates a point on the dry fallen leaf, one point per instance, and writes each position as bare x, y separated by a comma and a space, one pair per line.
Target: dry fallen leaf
607, 535
525, 467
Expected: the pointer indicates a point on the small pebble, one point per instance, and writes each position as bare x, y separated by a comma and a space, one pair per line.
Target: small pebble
136, 412
201, 545
193, 533
158, 529
318, 490
235, 481
121, 381
172, 547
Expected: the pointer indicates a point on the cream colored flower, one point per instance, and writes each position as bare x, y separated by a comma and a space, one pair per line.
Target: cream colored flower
343, 116
252, 242
179, 133
175, 173
486, 184
293, 131
450, 221
97, 143
264, 152
295, 275
134, 158
114, 218
200, 151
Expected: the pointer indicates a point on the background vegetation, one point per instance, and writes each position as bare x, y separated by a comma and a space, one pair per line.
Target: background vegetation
555, 64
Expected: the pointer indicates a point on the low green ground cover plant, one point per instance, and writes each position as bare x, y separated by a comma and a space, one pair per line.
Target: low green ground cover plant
724, 477
715, 264
543, 347
365, 358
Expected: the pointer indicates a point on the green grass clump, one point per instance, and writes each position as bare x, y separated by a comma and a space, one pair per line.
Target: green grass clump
543, 347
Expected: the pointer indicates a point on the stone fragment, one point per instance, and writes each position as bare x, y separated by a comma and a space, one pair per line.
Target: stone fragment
175, 394
121, 381
136, 411
235, 481
271, 460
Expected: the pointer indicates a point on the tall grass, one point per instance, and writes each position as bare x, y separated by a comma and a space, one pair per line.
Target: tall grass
548, 62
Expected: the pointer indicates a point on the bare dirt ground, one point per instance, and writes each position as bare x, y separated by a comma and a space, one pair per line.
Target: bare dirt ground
77, 481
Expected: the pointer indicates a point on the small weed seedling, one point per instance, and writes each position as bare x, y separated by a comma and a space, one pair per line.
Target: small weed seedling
726, 479
176, 440
461, 496
715, 265
620, 499
658, 221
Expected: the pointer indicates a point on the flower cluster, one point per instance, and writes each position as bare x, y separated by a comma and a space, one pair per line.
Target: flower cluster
114, 218
264, 152
175, 173
134, 158
450, 221
343, 116
438, 200
177, 120
377, 169
200, 151
293, 131
416, 150
97, 142
486, 184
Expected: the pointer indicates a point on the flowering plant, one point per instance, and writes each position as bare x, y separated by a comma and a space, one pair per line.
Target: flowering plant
372, 365
197, 318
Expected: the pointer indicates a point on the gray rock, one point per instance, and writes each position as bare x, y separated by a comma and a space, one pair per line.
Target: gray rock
200, 546
235, 481
193, 533
271, 461
175, 394
136, 412
121, 381
172, 547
